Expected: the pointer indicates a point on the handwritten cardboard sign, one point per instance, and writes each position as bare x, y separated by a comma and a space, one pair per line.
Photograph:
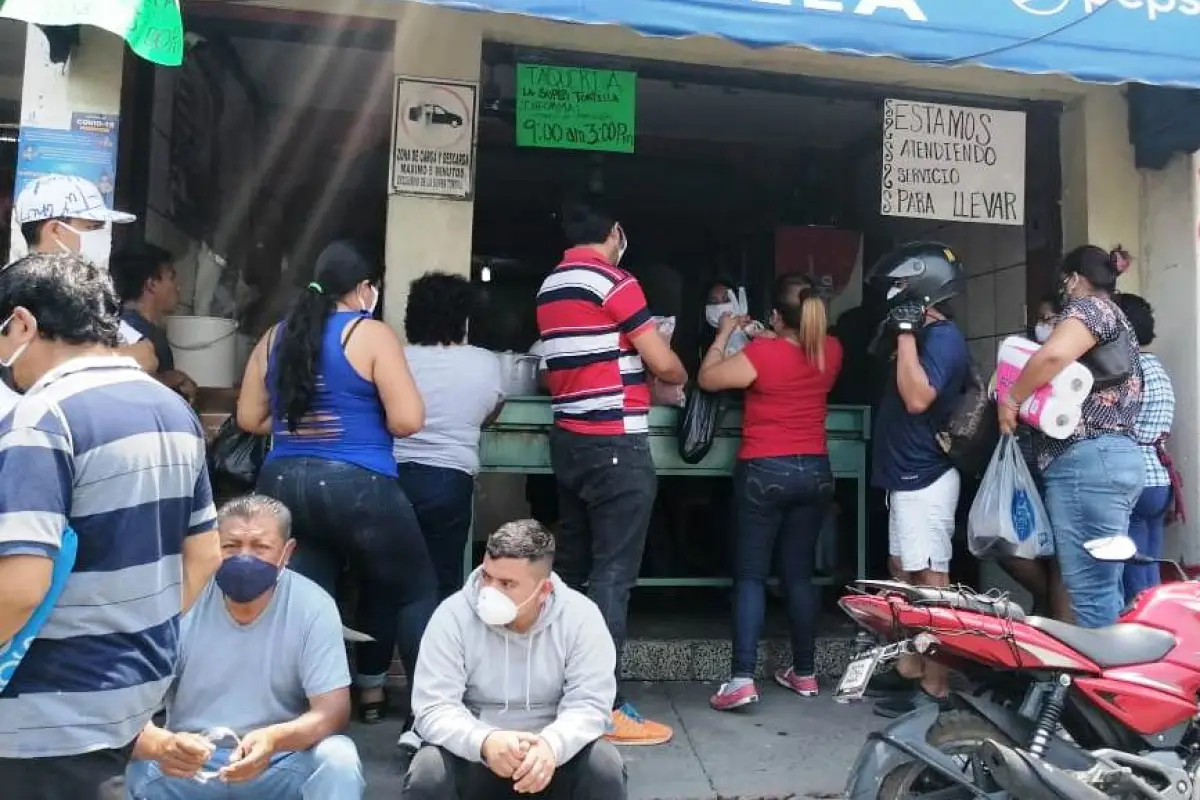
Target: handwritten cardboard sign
953, 163
575, 108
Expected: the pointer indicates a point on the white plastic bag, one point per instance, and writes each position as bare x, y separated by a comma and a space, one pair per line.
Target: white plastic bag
661, 393
1007, 518
741, 308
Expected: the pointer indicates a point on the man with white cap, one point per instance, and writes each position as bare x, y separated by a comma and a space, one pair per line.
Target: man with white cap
66, 213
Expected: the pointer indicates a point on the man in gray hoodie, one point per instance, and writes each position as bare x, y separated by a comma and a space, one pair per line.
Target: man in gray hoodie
514, 684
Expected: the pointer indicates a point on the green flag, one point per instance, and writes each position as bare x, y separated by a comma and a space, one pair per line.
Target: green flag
153, 28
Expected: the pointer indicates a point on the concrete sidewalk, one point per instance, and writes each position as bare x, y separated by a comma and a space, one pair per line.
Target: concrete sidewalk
785, 747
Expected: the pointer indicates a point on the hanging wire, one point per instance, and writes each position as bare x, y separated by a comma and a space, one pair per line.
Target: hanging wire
1014, 45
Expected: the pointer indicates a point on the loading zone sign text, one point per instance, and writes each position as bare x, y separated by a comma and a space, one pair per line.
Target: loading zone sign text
433, 146
953, 163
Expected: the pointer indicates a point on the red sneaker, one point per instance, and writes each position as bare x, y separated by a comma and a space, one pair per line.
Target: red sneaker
803, 685
728, 698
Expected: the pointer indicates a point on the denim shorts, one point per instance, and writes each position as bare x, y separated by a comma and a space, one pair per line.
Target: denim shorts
1090, 493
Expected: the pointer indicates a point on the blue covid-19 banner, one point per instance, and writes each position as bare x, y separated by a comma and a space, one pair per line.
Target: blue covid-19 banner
1106, 41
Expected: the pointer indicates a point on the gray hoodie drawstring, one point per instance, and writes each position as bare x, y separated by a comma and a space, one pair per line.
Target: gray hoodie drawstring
528, 673
505, 684
529, 670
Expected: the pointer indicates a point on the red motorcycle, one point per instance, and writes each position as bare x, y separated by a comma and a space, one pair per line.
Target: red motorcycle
1061, 713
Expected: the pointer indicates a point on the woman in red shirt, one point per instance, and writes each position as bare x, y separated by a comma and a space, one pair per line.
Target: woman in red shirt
783, 483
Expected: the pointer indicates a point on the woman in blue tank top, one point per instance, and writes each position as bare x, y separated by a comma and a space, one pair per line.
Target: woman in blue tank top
331, 385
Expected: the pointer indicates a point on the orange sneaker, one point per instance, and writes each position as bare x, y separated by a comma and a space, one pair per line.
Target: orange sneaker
629, 728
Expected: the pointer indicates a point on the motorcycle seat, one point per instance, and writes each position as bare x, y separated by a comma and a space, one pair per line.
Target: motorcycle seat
966, 601
1121, 645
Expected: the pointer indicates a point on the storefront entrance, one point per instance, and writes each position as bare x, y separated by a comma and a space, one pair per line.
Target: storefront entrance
733, 177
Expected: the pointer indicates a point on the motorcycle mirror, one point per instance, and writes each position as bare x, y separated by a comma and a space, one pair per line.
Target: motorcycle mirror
1111, 548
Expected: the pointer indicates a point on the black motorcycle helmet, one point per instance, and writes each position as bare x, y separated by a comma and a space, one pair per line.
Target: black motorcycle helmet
925, 271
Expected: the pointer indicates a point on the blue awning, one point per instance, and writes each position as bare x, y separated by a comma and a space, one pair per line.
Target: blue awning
1104, 41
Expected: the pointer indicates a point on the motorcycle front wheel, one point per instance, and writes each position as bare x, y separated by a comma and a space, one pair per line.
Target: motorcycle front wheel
959, 734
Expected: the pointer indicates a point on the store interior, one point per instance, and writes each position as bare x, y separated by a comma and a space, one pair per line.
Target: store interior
273, 139
721, 162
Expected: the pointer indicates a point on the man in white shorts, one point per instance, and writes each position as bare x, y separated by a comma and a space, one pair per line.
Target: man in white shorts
928, 371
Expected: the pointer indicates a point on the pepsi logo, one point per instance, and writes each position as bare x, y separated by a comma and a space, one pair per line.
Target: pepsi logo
1042, 8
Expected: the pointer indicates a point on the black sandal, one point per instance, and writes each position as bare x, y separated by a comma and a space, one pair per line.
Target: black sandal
373, 712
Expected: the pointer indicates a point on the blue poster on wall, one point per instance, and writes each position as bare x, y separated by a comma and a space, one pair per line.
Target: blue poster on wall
88, 149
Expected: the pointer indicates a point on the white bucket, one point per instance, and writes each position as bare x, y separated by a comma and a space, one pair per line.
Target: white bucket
205, 348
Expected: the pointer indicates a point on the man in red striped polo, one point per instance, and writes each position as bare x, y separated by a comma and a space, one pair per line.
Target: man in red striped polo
598, 339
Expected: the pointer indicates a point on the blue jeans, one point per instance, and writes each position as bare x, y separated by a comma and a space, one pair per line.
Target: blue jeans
782, 500
329, 771
442, 498
345, 515
1146, 529
1090, 492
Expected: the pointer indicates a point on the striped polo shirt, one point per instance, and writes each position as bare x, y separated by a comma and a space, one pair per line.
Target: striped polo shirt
101, 446
588, 312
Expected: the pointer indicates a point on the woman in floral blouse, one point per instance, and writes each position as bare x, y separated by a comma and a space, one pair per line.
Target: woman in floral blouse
1093, 477
1153, 427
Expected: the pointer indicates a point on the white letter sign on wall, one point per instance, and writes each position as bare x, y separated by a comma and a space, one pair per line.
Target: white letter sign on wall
433, 143
953, 163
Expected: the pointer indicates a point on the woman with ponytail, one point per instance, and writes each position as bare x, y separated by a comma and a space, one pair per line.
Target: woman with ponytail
783, 483
331, 385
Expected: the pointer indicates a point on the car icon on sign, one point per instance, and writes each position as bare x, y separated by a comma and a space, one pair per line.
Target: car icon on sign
433, 114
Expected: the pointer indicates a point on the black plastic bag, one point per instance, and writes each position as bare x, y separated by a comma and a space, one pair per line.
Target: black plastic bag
698, 424
235, 457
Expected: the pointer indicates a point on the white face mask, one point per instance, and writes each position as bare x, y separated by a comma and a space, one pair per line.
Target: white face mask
622, 245
94, 245
714, 311
369, 308
1042, 331
7, 363
892, 292
495, 608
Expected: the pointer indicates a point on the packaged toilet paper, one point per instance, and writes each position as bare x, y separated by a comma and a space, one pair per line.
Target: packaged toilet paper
1054, 409
1071, 386
1054, 417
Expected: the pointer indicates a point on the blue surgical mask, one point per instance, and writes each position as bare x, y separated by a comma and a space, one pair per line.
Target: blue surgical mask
244, 578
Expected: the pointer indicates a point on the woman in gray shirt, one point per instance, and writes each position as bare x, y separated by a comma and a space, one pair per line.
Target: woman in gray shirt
462, 389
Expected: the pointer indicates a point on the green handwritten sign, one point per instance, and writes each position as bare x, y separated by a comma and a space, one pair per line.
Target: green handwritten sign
153, 28
573, 108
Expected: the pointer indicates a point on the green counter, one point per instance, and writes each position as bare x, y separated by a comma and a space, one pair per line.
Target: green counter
518, 442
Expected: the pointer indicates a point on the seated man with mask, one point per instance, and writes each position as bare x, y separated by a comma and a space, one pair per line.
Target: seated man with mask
263, 681
515, 683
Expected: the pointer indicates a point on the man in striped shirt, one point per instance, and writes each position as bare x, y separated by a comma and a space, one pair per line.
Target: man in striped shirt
597, 339
96, 444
